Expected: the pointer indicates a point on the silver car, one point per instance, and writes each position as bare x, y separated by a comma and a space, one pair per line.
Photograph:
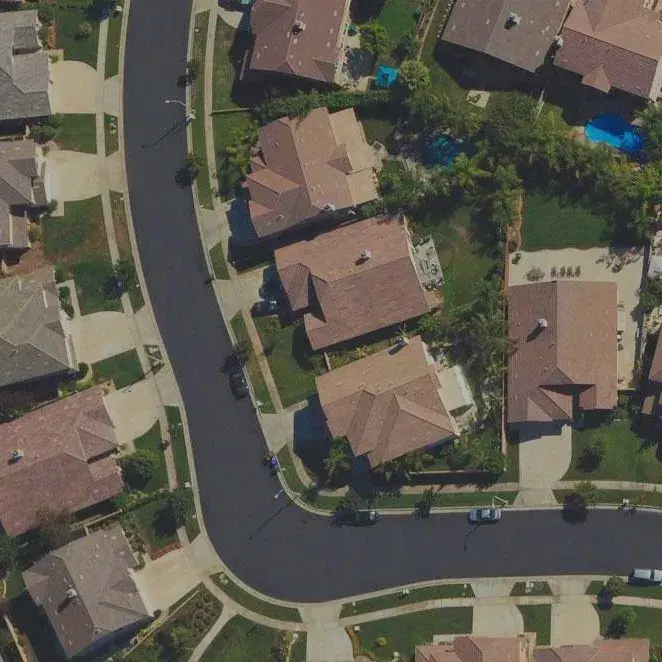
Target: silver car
645, 576
484, 515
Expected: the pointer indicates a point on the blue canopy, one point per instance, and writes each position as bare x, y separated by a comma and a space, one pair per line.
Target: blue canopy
386, 76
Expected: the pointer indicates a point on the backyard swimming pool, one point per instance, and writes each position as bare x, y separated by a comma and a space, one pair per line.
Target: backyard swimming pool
615, 131
443, 150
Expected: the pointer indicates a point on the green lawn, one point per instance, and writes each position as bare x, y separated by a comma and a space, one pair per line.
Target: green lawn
155, 534
378, 129
152, 441
124, 369
14, 585
111, 134
550, 222
113, 43
538, 619
646, 625
254, 371
654, 592
397, 16
291, 359
615, 497
67, 23
242, 640
77, 132
538, 588
404, 633
391, 600
627, 456
199, 147
218, 262
178, 445
250, 601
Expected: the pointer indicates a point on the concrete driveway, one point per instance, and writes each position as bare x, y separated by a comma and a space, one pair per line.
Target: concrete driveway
74, 175
100, 335
574, 623
497, 621
133, 410
74, 87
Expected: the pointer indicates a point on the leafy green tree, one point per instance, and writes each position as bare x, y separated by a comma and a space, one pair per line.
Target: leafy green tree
339, 460
614, 586
178, 506
424, 506
374, 38
588, 492
8, 555
651, 125
139, 467
146, 653
192, 70
242, 351
53, 528
467, 173
592, 454
180, 638
621, 624
84, 30
406, 47
414, 75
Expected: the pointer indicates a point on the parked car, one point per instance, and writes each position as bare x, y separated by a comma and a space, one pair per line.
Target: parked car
484, 515
645, 576
265, 307
238, 382
342, 517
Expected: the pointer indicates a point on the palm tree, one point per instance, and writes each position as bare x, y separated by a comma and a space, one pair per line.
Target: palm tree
415, 462
467, 172
339, 459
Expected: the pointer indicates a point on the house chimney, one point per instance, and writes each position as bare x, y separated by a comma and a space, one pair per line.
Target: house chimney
298, 27
542, 323
17, 455
513, 20
558, 41
71, 594
365, 255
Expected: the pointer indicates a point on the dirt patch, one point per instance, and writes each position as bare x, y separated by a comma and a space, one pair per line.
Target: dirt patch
30, 261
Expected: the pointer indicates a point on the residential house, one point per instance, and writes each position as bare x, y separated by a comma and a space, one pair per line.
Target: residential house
354, 280
519, 32
25, 86
309, 169
35, 346
303, 38
564, 351
24, 184
522, 648
57, 456
614, 45
88, 593
392, 402
652, 389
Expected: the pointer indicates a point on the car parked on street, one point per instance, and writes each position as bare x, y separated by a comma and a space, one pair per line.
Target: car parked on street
238, 382
646, 576
484, 515
343, 517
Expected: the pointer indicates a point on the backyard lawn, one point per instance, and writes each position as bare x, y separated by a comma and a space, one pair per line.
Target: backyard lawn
404, 633
550, 222
626, 457
77, 132
397, 16
152, 441
291, 359
538, 619
646, 624
199, 146
124, 369
242, 640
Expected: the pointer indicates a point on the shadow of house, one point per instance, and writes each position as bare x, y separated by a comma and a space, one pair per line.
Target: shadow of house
311, 436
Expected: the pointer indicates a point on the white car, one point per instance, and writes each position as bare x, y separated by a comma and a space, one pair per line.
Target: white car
484, 515
645, 576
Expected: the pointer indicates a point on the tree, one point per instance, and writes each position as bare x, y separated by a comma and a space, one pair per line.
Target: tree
8, 554
621, 624
84, 30
592, 454
53, 528
178, 506
190, 171
374, 38
406, 47
139, 468
146, 653
339, 460
123, 278
242, 351
192, 70
588, 492
179, 638
651, 126
424, 506
613, 587
414, 75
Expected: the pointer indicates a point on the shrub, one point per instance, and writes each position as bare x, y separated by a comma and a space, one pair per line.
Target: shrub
46, 14
42, 133
592, 455
84, 30
414, 75
380, 642
374, 38
139, 468
614, 586
621, 624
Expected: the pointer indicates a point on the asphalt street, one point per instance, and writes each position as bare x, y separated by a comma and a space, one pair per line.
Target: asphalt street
278, 548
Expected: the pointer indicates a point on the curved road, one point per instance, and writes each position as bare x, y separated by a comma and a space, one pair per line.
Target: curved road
282, 550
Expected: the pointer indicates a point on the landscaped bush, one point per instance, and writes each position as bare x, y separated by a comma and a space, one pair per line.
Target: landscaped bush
139, 467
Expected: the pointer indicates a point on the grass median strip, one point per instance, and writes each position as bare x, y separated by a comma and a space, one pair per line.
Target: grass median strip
77, 132
113, 41
391, 600
615, 497
110, 132
218, 261
252, 602
538, 619
531, 588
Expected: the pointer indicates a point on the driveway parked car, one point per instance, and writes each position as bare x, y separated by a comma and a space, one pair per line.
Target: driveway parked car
238, 382
645, 576
265, 307
484, 515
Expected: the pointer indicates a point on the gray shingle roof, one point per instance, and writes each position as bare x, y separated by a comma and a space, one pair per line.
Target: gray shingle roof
107, 600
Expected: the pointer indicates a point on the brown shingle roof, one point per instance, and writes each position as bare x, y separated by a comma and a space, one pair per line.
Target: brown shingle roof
107, 600
576, 355
614, 44
476, 649
298, 37
306, 164
653, 385
387, 404
606, 650
345, 297
65, 464
483, 25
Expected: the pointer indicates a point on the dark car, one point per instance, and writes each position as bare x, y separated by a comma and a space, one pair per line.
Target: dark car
238, 382
343, 517
265, 307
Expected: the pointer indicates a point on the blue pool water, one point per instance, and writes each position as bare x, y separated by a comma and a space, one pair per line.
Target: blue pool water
443, 150
615, 131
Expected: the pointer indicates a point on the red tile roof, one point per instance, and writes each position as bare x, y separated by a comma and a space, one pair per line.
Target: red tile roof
65, 464
344, 296
574, 356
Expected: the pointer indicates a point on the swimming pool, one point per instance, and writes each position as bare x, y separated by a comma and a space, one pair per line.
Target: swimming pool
443, 150
615, 131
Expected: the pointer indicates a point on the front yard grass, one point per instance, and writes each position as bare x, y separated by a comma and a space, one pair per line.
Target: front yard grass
124, 369
537, 588
152, 441
77, 132
199, 146
154, 528
654, 592
76, 243
551, 222
404, 633
241, 640
68, 19
113, 43
111, 135
615, 497
218, 261
444, 591
627, 456
254, 371
250, 601
645, 626
291, 359
538, 619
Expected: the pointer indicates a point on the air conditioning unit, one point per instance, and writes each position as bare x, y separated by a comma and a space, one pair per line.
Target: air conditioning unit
558, 41
403, 341
299, 26
71, 593
542, 323
514, 19
365, 255
329, 206
17, 455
